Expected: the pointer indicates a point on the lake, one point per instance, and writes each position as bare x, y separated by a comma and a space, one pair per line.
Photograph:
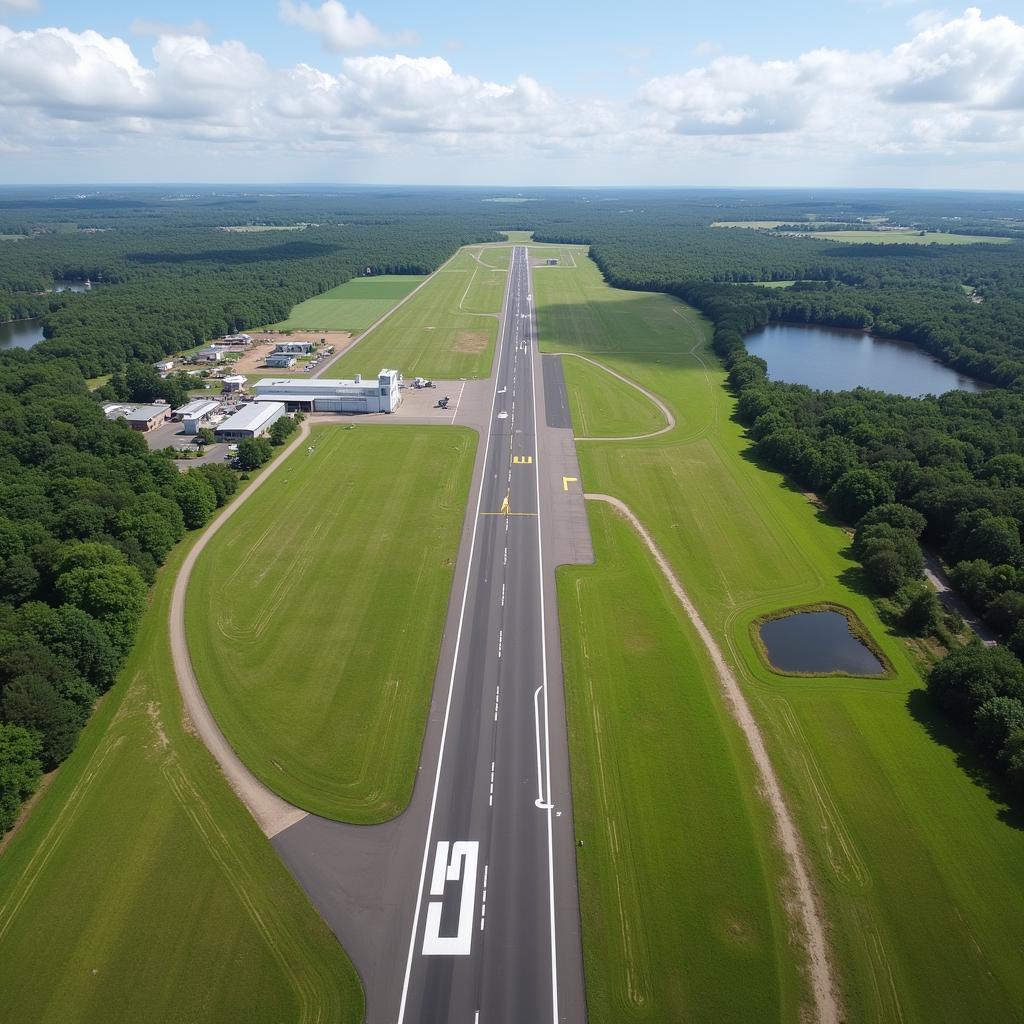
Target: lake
832, 359
817, 642
21, 333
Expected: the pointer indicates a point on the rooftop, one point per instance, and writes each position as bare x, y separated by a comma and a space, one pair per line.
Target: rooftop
197, 407
142, 412
251, 417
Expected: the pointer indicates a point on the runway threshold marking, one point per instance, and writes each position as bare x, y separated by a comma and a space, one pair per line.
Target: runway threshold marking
453, 862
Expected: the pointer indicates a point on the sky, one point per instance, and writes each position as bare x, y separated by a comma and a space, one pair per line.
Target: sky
830, 93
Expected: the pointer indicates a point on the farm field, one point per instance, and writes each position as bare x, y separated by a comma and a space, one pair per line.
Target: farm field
708, 894
315, 615
140, 889
446, 330
905, 846
603, 406
907, 238
352, 306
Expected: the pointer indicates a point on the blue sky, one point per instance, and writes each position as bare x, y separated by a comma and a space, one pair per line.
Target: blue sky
838, 92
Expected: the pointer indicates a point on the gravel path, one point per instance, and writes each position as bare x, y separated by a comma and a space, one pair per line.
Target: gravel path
272, 814
805, 903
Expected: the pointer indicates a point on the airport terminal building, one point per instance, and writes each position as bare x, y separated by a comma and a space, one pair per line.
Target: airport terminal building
334, 395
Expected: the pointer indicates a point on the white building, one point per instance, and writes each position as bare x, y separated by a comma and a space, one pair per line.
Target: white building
251, 421
193, 415
211, 354
234, 382
236, 339
280, 360
333, 395
295, 348
164, 366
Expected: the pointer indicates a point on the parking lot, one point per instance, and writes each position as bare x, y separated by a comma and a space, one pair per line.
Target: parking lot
171, 435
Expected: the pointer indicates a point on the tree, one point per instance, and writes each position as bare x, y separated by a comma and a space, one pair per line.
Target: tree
196, 498
900, 517
857, 491
923, 612
280, 429
971, 675
1006, 610
221, 478
20, 769
1011, 757
205, 436
32, 701
115, 595
995, 720
253, 452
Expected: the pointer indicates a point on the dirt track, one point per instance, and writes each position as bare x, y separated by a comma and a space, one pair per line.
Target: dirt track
819, 966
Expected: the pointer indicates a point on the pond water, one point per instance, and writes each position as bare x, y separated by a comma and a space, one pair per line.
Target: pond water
832, 359
817, 642
21, 333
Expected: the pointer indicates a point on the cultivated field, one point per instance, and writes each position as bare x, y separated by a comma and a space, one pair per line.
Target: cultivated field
315, 615
352, 306
906, 238
682, 914
141, 890
916, 865
446, 330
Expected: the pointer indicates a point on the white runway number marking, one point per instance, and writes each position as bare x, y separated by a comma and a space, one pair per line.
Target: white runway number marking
453, 862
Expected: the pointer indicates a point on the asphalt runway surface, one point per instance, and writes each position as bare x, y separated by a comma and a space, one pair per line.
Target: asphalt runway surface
465, 908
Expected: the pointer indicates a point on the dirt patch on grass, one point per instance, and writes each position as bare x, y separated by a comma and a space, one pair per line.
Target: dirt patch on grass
470, 343
254, 357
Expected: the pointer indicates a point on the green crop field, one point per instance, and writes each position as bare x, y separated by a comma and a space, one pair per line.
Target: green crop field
140, 889
446, 330
315, 615
918, 868
602, 406
906, 238
352, 306
680, 899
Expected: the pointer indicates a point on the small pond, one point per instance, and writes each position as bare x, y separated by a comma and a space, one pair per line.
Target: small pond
832, 359
21, 333
817, 642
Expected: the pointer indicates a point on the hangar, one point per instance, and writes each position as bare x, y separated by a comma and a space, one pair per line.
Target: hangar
252, 420
334, 395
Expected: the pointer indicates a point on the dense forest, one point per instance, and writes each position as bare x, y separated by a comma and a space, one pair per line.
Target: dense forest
87, 513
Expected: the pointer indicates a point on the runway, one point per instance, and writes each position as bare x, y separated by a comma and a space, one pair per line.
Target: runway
465, 908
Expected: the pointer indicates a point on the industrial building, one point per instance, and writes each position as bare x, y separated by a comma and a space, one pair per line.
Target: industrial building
138, 417
236, 339
280, 360
193, 414
333, 395
251, 421
295, 348
164, 366
211, 354
234, 382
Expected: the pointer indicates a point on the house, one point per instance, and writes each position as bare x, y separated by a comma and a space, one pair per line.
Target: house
164, 366
280, 360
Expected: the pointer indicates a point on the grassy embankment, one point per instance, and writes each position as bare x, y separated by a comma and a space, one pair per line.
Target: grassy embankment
352, 306
315, 615
139, 889
918, 867
602, 406
447, 330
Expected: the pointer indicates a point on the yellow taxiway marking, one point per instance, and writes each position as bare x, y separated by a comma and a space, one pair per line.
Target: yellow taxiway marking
566, 480
522, 460
504, 507
506, 514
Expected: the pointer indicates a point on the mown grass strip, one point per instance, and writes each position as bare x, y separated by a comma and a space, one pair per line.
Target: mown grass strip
315, 615
141, 890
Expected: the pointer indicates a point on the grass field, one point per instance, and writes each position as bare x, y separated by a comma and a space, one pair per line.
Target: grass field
919, 868
603, 407
352, 306
682, 915
906, 238
140, 889
315, 615
748, 223
446, 330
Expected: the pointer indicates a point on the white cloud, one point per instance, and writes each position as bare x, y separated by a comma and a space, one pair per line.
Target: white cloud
18, 6
954, 91
338, 30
